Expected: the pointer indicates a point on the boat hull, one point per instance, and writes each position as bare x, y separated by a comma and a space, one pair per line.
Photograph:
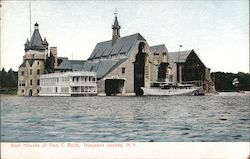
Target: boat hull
168, 92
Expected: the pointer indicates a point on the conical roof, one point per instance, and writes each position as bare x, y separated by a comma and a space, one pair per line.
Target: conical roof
27, 42
27, 45
45, 42
36, 40
116, 24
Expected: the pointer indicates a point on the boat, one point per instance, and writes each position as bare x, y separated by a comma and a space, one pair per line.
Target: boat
168, 89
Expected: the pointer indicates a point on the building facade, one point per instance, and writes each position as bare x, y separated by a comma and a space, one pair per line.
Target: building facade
160, 69
125, 64
188, 68
80, 83
36, 61
36, 51
122, 65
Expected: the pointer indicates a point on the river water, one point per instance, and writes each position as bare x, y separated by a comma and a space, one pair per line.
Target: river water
223, 117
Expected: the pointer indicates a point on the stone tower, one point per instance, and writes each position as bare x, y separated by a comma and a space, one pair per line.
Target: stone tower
33, 65
116, 29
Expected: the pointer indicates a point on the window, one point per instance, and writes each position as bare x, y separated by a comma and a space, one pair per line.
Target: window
31, 82
38, 62
37, 91
38, 82
22, 73
64, 89
123, 70
30, 71
22, 91
38, 72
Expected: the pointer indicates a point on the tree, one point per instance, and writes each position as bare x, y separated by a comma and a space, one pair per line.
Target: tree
11, 80
8, 79
3, 74
223, 81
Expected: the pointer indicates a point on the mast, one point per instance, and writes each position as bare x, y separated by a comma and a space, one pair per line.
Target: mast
179, 66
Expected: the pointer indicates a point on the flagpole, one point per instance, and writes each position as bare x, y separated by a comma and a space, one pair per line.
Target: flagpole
178, 64
30, 18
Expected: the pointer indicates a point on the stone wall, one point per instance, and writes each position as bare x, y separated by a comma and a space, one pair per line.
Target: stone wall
26, 77
128, 76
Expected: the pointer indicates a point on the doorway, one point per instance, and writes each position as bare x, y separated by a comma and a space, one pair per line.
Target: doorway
113, 86
139, 70
162, 71
30, 92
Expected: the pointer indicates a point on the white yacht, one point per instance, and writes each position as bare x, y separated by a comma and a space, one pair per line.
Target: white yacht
168, 89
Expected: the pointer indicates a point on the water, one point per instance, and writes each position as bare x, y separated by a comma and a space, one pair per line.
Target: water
223, 117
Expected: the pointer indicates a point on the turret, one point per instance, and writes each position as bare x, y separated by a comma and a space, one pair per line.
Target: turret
27, 45
45, 43
116, 29
36, 42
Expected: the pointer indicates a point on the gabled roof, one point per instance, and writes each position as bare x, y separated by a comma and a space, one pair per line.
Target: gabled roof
102, 67
179, 57
30, 61
23, 64
64, 65
77, 64
158, 48
122, 45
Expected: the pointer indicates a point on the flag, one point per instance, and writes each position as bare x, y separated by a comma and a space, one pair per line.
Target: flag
180, 45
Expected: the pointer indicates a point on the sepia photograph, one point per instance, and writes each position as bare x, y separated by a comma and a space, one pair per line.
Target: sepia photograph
125, 79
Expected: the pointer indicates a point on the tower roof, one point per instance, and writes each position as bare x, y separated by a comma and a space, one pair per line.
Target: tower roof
45, 42
27, 45
27, 42
116, 24
36, 41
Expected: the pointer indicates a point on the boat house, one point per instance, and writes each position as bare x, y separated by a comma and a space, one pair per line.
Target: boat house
122, 65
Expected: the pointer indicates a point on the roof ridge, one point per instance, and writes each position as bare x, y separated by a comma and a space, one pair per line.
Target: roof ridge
182, 51
157, 45
120, 38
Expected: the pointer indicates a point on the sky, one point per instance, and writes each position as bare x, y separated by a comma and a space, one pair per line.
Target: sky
218, 30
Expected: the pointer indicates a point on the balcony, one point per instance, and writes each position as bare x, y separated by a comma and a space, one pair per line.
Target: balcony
82, 83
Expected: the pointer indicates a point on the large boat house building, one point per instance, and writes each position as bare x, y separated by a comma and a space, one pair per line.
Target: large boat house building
122, 65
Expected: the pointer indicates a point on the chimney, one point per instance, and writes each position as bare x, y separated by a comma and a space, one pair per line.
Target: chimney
53, 52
